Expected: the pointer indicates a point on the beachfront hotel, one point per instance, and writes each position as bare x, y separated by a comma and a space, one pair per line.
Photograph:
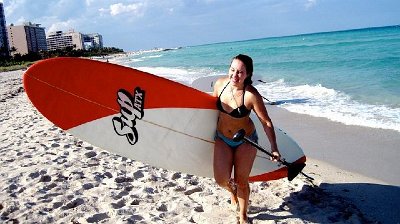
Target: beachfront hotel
4, 51
60, 40
76, 40
93, 40
26, 38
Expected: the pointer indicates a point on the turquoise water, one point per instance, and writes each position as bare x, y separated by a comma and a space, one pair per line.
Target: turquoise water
348, 76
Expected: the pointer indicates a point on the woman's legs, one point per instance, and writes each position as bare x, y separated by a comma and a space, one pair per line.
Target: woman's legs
242, 159
243, 162
223, 163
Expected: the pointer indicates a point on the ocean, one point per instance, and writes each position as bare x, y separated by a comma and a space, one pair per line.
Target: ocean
351, 76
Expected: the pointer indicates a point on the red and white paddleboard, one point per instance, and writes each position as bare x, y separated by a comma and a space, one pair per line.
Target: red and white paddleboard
139, 115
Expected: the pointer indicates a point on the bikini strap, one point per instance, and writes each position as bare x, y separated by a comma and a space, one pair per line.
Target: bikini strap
244, 91
223, 89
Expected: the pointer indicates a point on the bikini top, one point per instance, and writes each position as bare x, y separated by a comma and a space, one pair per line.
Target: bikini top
239, 112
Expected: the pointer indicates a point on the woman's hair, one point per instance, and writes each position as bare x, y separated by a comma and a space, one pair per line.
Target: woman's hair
248, 62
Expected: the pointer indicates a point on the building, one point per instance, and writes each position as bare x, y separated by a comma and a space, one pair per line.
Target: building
78, 41
4, 50
56, 40
59, 40
92, 41
26, 38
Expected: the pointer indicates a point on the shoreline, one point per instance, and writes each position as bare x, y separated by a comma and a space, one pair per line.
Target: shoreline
49, 175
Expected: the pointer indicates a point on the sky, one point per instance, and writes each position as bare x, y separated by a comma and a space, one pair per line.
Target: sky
145, 24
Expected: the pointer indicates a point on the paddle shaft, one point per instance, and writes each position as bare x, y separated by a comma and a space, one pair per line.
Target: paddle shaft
289, 165
263, 150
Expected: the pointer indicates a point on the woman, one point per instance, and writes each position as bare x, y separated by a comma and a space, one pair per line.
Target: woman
236, 98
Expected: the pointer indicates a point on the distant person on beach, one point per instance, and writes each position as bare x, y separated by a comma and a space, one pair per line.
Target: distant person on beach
236, 98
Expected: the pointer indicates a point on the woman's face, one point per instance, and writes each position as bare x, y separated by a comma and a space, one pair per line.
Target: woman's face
237, 72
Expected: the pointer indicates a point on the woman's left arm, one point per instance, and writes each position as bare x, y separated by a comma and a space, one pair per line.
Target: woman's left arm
261, 111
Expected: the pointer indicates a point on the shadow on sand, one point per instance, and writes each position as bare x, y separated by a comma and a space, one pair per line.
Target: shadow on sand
338, 203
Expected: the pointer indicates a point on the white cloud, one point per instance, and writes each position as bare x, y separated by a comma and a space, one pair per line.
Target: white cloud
120, 8
20, 21
89, 2
62, 26
103, 11
206, 1
310, 3
13, 6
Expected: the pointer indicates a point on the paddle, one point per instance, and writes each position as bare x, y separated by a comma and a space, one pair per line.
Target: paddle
293, 168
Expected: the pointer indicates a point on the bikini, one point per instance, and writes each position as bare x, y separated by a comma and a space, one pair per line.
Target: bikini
239, 112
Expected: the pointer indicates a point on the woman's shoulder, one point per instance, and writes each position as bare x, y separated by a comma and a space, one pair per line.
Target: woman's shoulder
252, 92
221, 81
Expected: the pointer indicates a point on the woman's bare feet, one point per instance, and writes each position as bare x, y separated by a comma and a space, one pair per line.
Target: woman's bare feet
244, 221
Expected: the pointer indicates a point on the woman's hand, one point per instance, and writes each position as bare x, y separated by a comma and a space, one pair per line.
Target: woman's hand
276, 156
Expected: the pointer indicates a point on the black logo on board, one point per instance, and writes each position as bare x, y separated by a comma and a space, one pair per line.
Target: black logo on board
132, 108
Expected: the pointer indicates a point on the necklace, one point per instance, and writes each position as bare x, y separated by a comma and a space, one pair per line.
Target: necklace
233, 97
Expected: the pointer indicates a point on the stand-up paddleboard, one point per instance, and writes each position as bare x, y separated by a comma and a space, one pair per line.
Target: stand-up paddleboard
138, 115
206, 83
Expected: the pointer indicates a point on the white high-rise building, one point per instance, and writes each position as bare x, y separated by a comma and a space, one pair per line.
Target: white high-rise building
78, 41
59, 40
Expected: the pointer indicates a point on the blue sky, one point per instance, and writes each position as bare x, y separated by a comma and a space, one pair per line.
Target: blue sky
145, 24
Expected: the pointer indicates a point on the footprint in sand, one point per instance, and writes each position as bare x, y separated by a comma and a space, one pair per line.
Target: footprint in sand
87, 186
176, 176
97, 218
121, 194
162, 208
108, 174
121, 203
135, 202
73, 204
12, 187
123, 179
90, 154
55, 145
93, 162
199, 208
57, 205
45, 178
138, 175
193, 190
135, 218
60, 160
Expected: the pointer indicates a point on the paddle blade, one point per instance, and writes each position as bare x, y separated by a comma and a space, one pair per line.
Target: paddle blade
294, 169
239, 135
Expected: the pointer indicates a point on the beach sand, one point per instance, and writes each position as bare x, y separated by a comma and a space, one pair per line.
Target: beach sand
50, 176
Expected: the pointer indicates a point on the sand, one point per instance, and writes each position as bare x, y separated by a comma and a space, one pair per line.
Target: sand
48, 176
